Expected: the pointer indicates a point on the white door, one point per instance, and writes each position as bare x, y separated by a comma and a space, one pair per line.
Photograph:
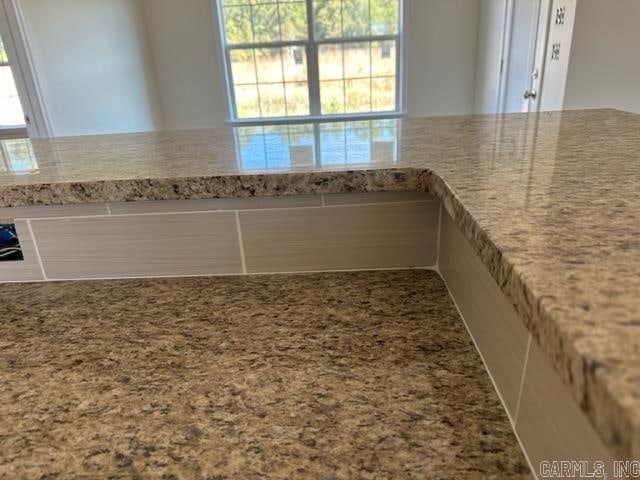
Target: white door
538, 34
521, 70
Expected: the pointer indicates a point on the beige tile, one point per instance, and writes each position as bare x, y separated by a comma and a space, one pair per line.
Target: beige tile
54, 211
182, 244
301, 155
375, 197
371, 236
166, 206
494, 324
550, 423
22, 270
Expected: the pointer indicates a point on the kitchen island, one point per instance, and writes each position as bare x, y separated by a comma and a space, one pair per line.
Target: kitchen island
549, 203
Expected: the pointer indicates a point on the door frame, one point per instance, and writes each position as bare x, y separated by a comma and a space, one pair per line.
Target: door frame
538, 54
507, 29
13, 32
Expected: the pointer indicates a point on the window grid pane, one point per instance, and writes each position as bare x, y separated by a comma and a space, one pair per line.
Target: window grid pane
265, 22
270, 82
270, 75
357, 77
336, 19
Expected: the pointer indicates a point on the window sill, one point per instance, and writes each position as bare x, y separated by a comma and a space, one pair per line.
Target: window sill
13, 132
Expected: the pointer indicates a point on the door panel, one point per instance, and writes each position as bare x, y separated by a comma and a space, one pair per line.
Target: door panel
520, 62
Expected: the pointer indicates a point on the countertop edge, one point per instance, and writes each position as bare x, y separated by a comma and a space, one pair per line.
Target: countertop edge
614, 424
557, 345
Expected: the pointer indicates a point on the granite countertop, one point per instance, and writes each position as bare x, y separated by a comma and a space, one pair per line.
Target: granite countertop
322, 376
549, 201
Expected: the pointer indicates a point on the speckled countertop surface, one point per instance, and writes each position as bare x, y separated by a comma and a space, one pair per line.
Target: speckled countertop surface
550, 202
319, 376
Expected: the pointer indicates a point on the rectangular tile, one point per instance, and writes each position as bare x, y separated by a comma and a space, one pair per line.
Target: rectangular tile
45, 211
22, 270
550, 423
168, 206
495, 326
336, 238
187, 244
375, 197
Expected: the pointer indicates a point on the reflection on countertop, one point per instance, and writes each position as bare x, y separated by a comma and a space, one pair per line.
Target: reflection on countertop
189, 153
336, 144
17, 156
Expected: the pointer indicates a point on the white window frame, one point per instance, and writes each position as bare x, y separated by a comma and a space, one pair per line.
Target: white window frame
313, 76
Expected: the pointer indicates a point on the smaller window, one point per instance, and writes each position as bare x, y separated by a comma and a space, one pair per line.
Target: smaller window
311, 58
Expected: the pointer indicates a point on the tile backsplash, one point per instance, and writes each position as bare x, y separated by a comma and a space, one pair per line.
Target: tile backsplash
224, 236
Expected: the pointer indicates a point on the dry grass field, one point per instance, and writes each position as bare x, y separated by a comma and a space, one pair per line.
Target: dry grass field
357, 78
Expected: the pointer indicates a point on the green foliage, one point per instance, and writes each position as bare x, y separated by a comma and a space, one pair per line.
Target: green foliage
293, 21
266, 25
332, 106
327, 16
384, 17
237, 25
255, 21
355, 18
352, 18
270, 22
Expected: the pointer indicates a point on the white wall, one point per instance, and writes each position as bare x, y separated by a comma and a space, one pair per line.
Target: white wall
441, 56
93, 64
187, 62
604, 68
132, 65
441, 59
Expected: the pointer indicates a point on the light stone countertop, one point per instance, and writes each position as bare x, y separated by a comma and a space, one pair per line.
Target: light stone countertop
361, 375
549, 201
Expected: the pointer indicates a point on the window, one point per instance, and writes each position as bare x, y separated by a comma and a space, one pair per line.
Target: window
11, 114
302, 58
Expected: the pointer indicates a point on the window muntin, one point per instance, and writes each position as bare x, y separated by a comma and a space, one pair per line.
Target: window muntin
299, 58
